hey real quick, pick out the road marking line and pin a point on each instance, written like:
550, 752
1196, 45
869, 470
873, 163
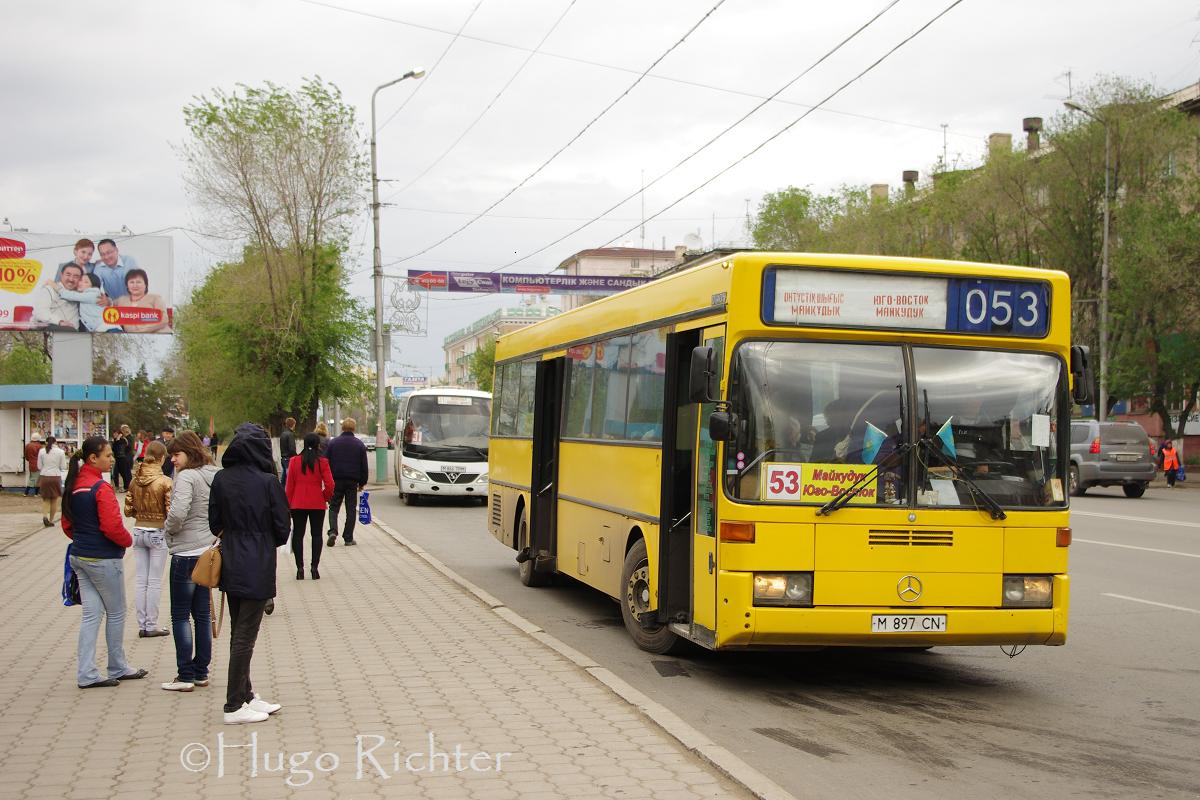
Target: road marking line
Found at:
1135, 547
1137, 519
1152, 603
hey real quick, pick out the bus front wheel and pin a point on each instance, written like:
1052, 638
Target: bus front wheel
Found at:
526, 569
635, 604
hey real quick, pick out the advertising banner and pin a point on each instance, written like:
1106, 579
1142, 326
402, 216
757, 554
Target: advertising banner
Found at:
102, 284
511, 282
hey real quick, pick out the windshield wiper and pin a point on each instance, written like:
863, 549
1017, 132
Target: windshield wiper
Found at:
851, 491
960, 473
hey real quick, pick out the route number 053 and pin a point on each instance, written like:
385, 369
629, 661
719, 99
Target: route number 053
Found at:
1026, 305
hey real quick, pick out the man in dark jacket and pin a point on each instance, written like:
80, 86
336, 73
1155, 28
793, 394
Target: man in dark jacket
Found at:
248, 509
287, 447
348, 463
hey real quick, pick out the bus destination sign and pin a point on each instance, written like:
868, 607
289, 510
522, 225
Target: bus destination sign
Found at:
828, 298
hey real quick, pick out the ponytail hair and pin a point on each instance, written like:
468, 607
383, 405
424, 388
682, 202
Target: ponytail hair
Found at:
50, 440
311, 452
92, 446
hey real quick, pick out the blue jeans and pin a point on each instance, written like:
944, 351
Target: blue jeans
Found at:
189, 601
102, 587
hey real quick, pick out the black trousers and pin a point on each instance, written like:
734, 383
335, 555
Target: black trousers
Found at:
315, 518
245, 617
123, 470
344, 492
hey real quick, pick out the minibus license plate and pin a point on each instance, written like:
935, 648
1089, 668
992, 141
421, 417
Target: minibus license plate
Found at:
908, 623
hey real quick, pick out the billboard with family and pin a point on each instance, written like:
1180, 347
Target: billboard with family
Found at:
100, 284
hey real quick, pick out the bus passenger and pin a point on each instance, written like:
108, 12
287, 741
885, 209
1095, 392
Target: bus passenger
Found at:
830, 444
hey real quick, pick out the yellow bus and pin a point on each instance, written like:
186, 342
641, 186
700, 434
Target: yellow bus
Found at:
781, 449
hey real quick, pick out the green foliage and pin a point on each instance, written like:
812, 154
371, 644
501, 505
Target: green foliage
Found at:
239, 361
152, 404
483, 362
23, 365
1045, 209
264, 337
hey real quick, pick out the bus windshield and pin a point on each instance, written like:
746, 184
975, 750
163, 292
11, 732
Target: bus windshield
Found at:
816, 416
448, 427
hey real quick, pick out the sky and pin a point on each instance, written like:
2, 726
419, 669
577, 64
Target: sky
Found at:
93, 93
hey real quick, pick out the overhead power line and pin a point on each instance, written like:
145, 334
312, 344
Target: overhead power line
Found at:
433, 69
829, 53
488, 107
794, 122
570, 142
630, 70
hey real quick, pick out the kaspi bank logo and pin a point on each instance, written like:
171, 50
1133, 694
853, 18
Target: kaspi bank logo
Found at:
111, 315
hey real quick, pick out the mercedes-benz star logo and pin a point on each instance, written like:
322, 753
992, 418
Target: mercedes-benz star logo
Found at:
909, 588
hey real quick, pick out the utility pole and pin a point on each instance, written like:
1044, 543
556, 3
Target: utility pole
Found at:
381, 470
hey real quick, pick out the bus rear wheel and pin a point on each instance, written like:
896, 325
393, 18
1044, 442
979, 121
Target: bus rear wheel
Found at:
635, 603
526, 569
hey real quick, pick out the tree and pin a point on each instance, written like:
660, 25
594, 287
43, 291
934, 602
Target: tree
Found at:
233, 367
483, 362
1045, 209
281, 171
152, 404
21, 365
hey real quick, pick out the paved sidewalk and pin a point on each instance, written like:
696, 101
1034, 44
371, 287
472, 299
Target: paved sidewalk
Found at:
380, 655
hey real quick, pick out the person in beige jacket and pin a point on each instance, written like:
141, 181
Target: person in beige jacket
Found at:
148, 501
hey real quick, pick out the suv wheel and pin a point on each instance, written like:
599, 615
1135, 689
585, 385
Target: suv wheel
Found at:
1073, 484
1134, 489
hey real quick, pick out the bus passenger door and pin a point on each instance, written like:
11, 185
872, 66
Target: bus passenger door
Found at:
707, 491
678, 465
543, 518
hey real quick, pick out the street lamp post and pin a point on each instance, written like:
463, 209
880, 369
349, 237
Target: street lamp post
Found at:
377, 271
1102, 408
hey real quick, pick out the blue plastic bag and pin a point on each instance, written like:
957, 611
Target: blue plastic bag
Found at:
1180, 475
364, 509
70, 584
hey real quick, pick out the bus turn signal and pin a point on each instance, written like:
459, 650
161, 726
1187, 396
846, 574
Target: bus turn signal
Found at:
1063, 537
737, 531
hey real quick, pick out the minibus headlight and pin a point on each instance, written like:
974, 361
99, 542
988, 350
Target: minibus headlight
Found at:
482, 478
783, 589
411, 474
1028, 591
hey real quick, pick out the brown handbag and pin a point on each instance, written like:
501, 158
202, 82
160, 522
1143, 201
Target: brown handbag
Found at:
207, 571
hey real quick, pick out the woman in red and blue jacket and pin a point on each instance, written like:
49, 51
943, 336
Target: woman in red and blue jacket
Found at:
309, 488
92, 520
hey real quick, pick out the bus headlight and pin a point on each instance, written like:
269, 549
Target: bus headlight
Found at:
783, 589
1028, 591
411, 474
482, 478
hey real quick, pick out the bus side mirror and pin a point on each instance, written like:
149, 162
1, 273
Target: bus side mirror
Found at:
1081, 375
721, 425
702, 376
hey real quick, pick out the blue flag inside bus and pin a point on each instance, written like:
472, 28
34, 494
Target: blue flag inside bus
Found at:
947, 437
873, 439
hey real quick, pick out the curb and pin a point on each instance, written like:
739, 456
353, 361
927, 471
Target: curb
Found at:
692, 740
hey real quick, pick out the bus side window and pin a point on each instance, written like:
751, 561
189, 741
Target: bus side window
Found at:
647, 385
525, 398
577, 420
508, 401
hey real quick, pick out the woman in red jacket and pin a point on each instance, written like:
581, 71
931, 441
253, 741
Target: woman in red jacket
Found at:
309, 489
92, 520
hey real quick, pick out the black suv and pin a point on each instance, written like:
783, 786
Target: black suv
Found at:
1110, 454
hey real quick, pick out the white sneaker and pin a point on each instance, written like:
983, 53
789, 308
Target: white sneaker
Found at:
178, 685
244, 715
262, 706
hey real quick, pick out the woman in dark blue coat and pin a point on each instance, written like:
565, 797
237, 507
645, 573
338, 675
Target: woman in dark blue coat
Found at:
248, 509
